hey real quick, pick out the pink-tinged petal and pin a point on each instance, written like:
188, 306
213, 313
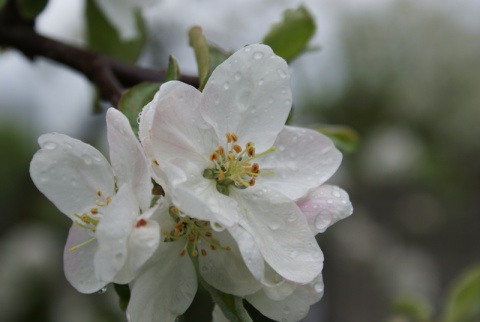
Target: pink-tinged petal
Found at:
165, 286
198, 197
177, 129
249, 94
127, 157
113, 233
225, 270
281, 233
324, 206
78, 260
293, 308
70, 173
304, 159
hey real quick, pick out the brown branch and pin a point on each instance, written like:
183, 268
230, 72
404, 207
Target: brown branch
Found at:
111, 76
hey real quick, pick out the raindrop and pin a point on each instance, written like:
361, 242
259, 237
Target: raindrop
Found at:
321, 222
226, 86
281, 73
336, 193
291, 218
330, 201
288, 102
103, 290
238, 76
87, 159
68, 146
318, 287
43, 179
260, 82
258, 55
281, 148
274, 225
50, 145
248, 49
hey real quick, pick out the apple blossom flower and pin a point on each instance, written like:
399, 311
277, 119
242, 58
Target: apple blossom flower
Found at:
227, 158
112, 234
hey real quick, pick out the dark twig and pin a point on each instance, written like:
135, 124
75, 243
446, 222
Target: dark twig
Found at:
109, 75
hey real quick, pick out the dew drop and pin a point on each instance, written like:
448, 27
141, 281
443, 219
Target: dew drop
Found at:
318, 287
226, 86
274, 225
87, 159
336, 193
247, 49
291, 218
330, 201
43, 179
258, 55
288, 102
238, 76
281, 73
260, 82
49, 145
103, 290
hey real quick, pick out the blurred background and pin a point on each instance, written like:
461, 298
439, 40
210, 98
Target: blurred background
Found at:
405, 75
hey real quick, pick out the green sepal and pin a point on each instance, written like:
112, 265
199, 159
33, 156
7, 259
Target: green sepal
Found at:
463, 304
344, 137
29, 9
104, 38
134, 99
223, 189
123, 292
202, 54
290, 37
209, 174
217, 56
173, 70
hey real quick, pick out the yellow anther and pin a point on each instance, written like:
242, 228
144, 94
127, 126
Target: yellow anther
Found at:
174, 210
221, 175
251, 183
94, 211
176, 232
99, 193
213, 156
234, 137
182, 253
255, 168
156, 162
237, 148
204, 252
208, 234
100, 203
220, 150
251, 151
108, 199
194, 253
84, 217
229, 137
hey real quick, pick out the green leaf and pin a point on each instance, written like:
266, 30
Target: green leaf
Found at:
104, 38
202, 54
173, 71
290, 37
123, 292
463, 304
344, 137
134, 99
29, 9
415, 309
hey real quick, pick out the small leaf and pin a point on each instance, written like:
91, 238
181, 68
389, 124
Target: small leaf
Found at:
104, 38
173, 71
344, 137
290, 37
134, 99
202, 54
217, 56
29, 9
463, 303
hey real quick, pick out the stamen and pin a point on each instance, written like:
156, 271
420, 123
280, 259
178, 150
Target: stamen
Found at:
204, 252
108, 200
229, 137
100, 203
237, 148
220, 150
156, 162
213, 156
74, 248
99, 193
234, 137
94, 211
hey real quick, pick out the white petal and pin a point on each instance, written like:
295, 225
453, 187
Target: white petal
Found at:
78, 263
304, 159
70, 173
165, 286
198, 197
142, 243
251, 254
281, 233
249, 94
226, 270
276, 287
113, 232
294, 307
127, 158
177, 130
324, 206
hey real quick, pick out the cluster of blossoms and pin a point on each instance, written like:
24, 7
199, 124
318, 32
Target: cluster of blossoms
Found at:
243, 196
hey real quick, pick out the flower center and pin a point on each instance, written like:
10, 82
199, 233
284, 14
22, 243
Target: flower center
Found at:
193, 230
90, 220
233, 166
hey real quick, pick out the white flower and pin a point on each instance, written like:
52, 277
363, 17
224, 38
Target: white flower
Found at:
230, 160
167, 283
112, 234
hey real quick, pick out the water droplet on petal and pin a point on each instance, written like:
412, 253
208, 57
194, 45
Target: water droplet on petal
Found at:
321, 222
281, 148
318, 287
49, 145
288, 102
292, 218
274, 225
258, 55
103, 290
260, 82
87, 159
226, 86
237, 76
281, 73
68, 146
247, 49
336, 193
330, 201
